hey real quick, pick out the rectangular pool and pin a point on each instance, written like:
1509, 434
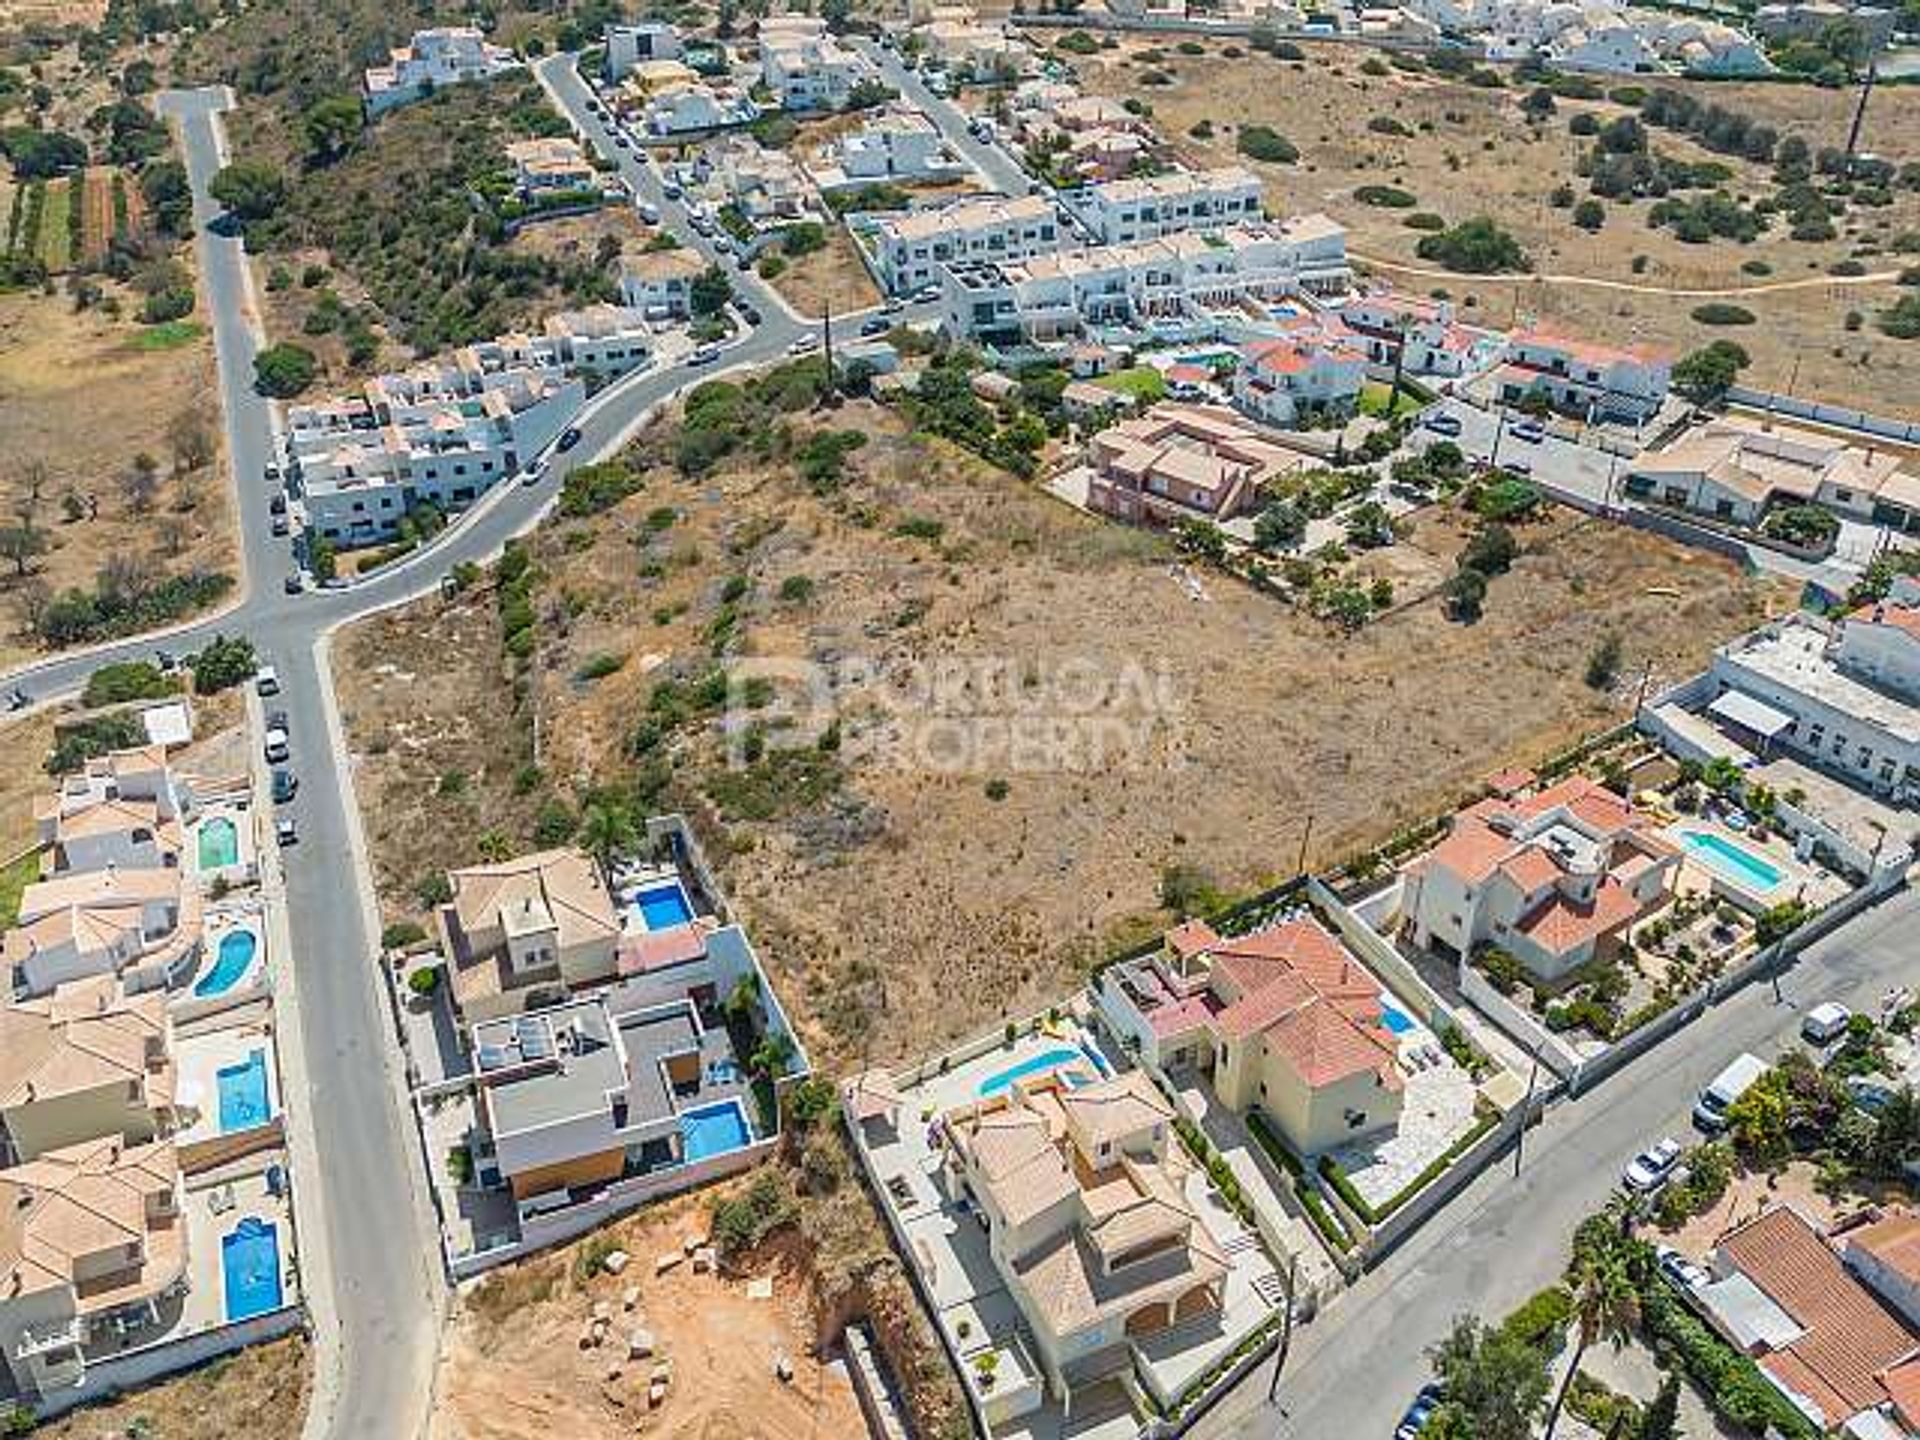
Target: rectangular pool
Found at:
1730, 861
661, 907
1032, 1065
250, 1268
713, 1130
243, 1094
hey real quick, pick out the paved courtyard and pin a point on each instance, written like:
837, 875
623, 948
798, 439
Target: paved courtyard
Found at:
1438, 1110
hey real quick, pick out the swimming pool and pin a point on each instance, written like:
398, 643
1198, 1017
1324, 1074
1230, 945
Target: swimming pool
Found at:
219, 843
243, 1094
1730, 861
1394, 1018
663, 907
250, 1265
235, 955
1045, 1060
713, 1130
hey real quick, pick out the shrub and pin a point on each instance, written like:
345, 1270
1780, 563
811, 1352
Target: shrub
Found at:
223, 663
1424, 220
1541, 1321
743, 1221
1603, 663
1812, 526
402, 933
425, 980
1719, 312
1474, 247
598, 667
1386, 197
283, 371
1387, 125
81, 742
126, 680
1262, 142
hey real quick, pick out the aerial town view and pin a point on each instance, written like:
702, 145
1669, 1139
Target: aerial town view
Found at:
1025, 719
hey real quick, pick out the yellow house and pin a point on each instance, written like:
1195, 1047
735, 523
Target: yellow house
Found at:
89, 1060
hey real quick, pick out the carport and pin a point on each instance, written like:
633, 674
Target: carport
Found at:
1752, 717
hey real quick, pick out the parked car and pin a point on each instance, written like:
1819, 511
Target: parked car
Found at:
1516, 467
1679, 1270
743, 262
927, 294
723, 244
805, 345
272, 472
670, 190
1825, 1024
284, 831
279, 526
894, 305
648, 212
285, 785
294, 583
751, 314
1652, 1167
278, 749
704, 355
535, 472
277, 505
569, 437
266, 681
623, 142
1419, 1412
874, 325
1531, 432
1441, 423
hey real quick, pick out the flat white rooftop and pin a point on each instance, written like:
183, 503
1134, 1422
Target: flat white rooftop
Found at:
1795, 656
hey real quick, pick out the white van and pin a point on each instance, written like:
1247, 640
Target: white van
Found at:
1710, 1110
1825, 1024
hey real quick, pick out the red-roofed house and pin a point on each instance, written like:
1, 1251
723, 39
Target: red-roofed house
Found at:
1583, 378
1886, 1254
1284, 1020
1548, 877
1317, 367
1820, 1336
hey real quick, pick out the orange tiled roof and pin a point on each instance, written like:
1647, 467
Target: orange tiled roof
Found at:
1560, 924
1893, 1240
1315, 1004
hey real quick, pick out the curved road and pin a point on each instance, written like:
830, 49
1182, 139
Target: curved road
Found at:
374, 1281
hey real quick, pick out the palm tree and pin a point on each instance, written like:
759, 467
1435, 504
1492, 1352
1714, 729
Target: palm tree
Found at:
606, 832
1606, 1306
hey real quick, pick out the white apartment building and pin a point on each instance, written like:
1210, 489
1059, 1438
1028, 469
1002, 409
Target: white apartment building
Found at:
805, 67
631, 45
659, 283
450, 55
1844, 696
1316, 366
911, 250
1122, 212
1581, 378
443, 434
1385, 323
688, 107
1049, 296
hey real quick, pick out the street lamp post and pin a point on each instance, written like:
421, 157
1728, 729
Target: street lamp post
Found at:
1286, 1330
1526, 1105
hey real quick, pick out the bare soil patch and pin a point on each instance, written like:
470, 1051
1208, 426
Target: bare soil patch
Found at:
1468, 151
515, 1368
833, 278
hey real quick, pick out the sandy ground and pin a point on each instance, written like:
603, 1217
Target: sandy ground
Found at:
833, 278
1470, 152
914, 890
1746, 1197
514, 1366
257, 1394
61, 370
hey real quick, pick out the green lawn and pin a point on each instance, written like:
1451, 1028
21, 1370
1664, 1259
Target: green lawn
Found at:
1373, 399
167, 335
13, 883
1142, 382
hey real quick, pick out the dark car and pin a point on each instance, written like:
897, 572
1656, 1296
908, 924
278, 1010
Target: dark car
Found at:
284, 831
277, 720
294, 584
1419, 1412
277, 505
569, 437
751, 314
874, 325
285, 785
1442, 423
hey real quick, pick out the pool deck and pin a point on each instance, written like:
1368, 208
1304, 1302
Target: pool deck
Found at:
244, 868
1798, 879
203, 1049
217, 1202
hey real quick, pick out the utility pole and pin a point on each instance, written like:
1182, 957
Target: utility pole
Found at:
1300, 865
1860, 111
826, 345
1286, 1329
1526, 1105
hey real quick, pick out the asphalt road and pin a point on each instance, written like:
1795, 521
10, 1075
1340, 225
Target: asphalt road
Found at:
1354, 1370
1000, 168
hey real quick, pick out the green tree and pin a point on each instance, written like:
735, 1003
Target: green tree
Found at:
251, 189
330, 126
1466, 593
1474, 247
283, 371
1280, 526
1606, 1306
223, 663
1706, 374
710, 291
1495, 1383
1662, 1420
1757, 1121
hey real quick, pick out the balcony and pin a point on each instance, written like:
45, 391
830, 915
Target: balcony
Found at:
54, 1335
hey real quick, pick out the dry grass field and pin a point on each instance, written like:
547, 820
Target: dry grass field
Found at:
830, 279
972, 881
1469, 151
60, 370
255, 1394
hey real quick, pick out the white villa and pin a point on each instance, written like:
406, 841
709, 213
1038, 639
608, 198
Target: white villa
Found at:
550, 164
896, 145
631, 45
451, 55
806, 68
913, 249
766, 186
1316, 366
659, 283
1603, 382
1435, 342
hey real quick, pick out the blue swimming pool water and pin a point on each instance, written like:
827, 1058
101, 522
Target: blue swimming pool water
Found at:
1045, 1060
713, 1130
1730, 861
250, 1263
663, 907
230, 963
1394, 1018
1098, 1061
243, 1094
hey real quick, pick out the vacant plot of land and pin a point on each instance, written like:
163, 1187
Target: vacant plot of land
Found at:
833, 279
515, 1368
256, 1394
60, 371
1461, 150
25, 743
944, 864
